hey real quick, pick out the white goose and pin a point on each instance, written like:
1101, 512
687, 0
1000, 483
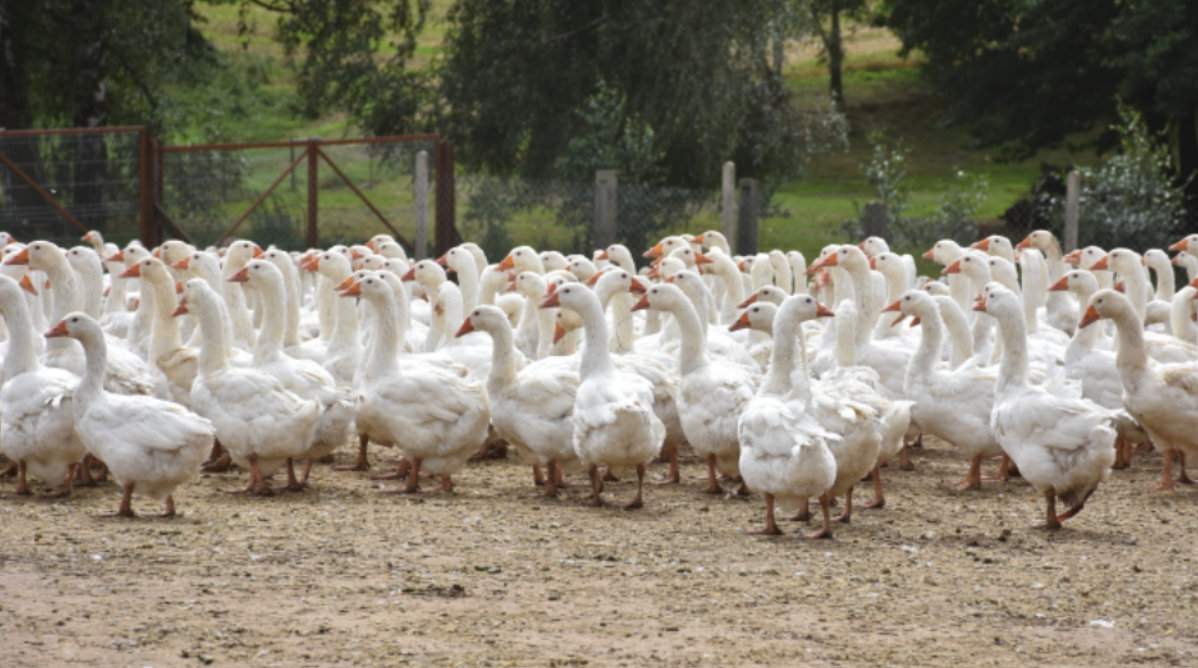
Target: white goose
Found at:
431, 411
1064, 447
37, 421
149, 445
531, 405
1162, 398
258, 421
712, 392
614, 422
784, 452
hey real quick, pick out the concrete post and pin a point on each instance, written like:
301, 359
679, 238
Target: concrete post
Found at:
606, 206
421, 249
1073, 195
749, 209
728, 203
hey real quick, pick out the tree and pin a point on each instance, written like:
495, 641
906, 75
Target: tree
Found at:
354, 56
1027, 75
831, 37
515, 74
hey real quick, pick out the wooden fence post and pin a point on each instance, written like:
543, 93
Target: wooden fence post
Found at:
603, 230
147, 189
312, 237
421, 249
749, 209
728, 203
1073, 195
446, 233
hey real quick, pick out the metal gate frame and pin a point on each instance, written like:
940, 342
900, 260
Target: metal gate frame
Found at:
153, 220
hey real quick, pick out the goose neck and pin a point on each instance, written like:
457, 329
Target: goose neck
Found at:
91, 385
692, 354
596, 358
270, 338
931, 341
214, 356
385, 347
503, 359
22, 355
777, 380
1012, 372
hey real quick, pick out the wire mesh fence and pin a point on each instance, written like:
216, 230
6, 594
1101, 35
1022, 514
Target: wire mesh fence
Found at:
56, 184
270, 193
502, 212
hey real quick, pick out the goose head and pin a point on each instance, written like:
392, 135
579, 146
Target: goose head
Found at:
1106, 304
240, 252
758, 317
943, 252
873, 246
714, 239
766, 294
666, 246
997, 245
485, 318
522, 258
76, 325
581, 267
917, 304
553, 260
1188, 243
1043, 240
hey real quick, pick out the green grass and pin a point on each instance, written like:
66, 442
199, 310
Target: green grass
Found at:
883, 91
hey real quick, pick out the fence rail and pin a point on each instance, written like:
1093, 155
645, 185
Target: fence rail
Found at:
57, 183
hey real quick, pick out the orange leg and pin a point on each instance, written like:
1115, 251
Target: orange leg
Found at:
413, 486
537, 478
362, 463
973, 479
879, 501
168, 508
596, 486
22, 482
638, 502
307, 472
847, 515
1166, 472
825, 501
804, 513
258, 484
219, 460
551, 480
293, 483
126, 509
771, 526
1181, 464
713, 485
1050, 518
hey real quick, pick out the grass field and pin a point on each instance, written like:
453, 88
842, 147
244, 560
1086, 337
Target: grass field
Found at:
884, 93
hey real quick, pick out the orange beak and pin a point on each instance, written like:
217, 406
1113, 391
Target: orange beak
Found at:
602, 255
954, 268
132, 272
241, 276
345, 285
178, 288
257, 251
118, 256
638, 286
873, 261
595, 278
1026, 243
741, 323
311, 263
822, 311
354, 290
829, 260
157, 252
1104, 262
928, 255
559, 332
642, 304
1120, 287
59, 330
701, 259
752, 299
27, 285
185, 263
507, 263
894, 307
1090, 317
552, 300
443, 261
1194, 284
410, 275
1179, 246
466, 328
22, 257
1073, 257
1061, 285
983, 244
552, 289
915, 321
654, 252
654, 272
181, 309
980, 304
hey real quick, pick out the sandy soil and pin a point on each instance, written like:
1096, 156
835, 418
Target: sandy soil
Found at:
495, 575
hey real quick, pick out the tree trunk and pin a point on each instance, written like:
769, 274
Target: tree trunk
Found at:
835, 49
1187, 163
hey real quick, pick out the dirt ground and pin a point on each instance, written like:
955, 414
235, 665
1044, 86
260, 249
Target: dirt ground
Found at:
494, 575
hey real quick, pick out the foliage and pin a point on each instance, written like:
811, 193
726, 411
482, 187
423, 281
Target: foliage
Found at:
954, 216
516, 73
1130, 199
1029, 74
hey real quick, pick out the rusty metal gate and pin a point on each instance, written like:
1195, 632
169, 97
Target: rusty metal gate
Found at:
56, 184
